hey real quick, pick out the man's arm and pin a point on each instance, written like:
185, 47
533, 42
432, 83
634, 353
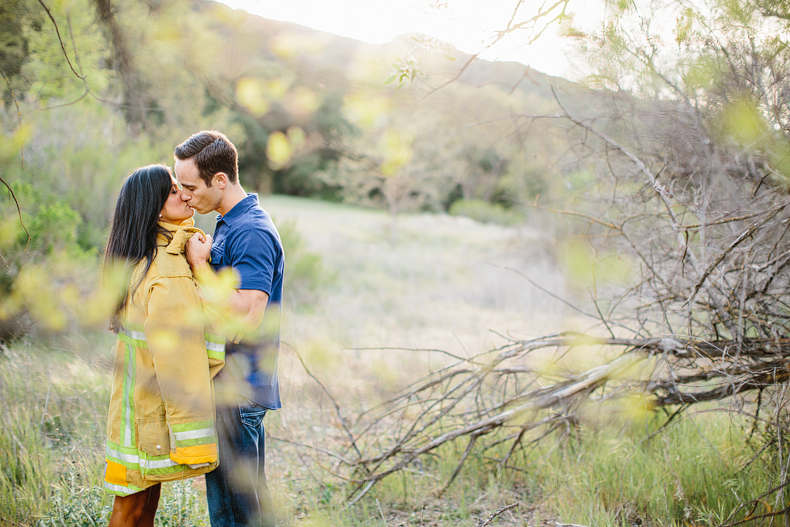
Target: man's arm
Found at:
250, 303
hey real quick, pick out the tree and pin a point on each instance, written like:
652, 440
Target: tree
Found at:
400, 158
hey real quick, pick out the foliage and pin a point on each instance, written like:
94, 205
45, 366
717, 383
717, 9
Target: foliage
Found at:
66, 190
290, 133
52, 79
484, 212
75, 506
695, 179
16, 19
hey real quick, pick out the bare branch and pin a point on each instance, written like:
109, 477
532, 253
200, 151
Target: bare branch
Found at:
747, 233
62, 46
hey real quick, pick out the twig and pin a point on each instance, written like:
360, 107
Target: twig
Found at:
575, 214
745, 234
430, 350
511, 27
756, 502
62, 46
457, 76
311, 447
384, 519
469, 448
496, 514
18, 208
343, 422
544, 400
365, 490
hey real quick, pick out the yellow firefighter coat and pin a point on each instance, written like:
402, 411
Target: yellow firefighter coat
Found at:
161, 420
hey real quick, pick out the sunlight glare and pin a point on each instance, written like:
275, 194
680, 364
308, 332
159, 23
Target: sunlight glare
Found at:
468, 25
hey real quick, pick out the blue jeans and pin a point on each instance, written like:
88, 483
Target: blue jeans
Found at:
236, 490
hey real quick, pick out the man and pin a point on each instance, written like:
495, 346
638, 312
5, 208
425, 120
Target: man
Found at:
246, 240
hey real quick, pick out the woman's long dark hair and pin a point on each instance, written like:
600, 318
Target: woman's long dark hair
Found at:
134, 226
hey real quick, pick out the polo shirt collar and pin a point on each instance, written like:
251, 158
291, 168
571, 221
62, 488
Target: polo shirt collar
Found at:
239, 209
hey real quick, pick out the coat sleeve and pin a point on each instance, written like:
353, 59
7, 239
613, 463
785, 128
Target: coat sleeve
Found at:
175, 332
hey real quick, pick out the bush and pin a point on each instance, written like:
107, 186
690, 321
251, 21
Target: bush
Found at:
485, 212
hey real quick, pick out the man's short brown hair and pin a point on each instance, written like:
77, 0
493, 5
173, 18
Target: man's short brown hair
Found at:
213, 152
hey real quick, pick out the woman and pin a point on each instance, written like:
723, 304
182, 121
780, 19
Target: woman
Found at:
161, 419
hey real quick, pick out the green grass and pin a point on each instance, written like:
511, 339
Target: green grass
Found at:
46, 423
691, 473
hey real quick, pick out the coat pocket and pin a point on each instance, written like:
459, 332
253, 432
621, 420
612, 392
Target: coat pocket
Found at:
153, 436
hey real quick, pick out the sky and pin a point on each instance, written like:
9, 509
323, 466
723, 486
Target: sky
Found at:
468, 25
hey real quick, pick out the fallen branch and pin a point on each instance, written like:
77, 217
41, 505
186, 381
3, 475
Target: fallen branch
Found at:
449, 409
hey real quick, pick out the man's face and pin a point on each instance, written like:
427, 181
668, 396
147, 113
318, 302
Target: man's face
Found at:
194, 190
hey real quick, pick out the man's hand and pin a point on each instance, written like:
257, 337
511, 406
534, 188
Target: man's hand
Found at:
199, 250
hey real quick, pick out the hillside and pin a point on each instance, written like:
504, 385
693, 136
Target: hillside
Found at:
445, 103
319, 51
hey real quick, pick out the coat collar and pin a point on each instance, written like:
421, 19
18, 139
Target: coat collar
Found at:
181, 234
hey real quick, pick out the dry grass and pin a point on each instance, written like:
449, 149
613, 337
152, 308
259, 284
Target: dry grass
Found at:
449, 284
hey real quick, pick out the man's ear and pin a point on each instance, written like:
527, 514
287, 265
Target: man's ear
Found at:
220, 180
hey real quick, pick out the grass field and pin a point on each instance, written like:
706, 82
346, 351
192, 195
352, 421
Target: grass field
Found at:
363, 316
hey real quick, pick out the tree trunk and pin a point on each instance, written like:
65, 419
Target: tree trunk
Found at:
133, 94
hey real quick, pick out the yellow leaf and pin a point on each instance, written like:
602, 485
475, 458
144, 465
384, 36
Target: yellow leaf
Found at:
11, 146
397, 151
250, 93
296, 136
303, 101
367, 110
278, 150
744, 122
10, 229
277, 88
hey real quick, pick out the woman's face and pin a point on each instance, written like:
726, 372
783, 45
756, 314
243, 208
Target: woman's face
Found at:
175, 210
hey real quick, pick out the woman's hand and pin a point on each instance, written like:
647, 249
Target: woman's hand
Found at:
198, 250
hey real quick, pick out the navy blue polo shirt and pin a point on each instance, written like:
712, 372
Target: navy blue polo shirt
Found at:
246, 240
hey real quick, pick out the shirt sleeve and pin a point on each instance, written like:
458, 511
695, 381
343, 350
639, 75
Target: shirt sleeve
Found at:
174, 330
254, 257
